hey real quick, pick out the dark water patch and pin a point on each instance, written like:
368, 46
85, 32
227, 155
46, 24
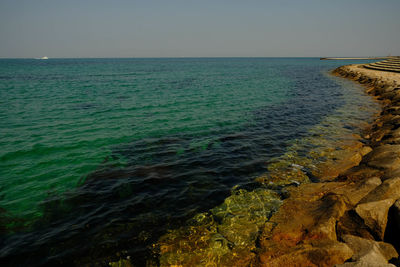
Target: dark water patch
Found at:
86, 106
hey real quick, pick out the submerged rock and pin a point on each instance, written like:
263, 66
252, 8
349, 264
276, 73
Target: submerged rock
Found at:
283, 173
224, 236
121, 263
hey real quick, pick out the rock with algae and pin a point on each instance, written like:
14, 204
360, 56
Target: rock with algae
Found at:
121, 263
285, 171
224, 236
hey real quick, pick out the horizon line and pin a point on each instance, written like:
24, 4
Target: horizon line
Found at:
177, 57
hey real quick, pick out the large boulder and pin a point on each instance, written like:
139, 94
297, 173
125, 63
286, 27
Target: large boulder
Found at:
375, 215
364, 264
318, 253
390, 188
384, 157
354, 192
370, 250
361, 173
352, 224
374, 207
303, 232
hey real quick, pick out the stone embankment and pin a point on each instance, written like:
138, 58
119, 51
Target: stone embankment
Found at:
390, 64
352, 219
349, 215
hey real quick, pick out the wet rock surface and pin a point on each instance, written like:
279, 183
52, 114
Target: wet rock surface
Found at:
225, 236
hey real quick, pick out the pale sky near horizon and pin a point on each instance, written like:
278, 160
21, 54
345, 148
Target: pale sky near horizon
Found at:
206, 28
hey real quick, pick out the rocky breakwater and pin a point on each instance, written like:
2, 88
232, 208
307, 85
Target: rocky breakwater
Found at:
352, 219
343, 210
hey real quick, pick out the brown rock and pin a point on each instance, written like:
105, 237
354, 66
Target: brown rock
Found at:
362, 247
375, 215
380, 133
394, 110
354, 192
315, 210
389, 95
360, 172
330, 170
396, 133
365, 150
384, 157
298, 233
392, 120
322, 253
391, 174
364, 264
389, 189
352, 224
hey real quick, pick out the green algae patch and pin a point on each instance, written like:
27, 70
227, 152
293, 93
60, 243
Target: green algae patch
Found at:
225, 235
285, 172
121, 263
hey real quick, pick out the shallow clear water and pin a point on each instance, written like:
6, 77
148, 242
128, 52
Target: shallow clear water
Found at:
113, 152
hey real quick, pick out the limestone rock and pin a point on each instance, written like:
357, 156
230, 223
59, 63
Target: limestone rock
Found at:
384, 157
367, 250
390, 174
352, 224
365, 150
326, 253
361, 172
316, 211
375, 215
364, 264
303, 231
355, 192
348, 158
389, 189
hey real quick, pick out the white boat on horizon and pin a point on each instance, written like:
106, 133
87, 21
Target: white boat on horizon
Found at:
42, 58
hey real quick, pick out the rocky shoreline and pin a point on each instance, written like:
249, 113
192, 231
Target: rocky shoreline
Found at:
348, 216
352, 219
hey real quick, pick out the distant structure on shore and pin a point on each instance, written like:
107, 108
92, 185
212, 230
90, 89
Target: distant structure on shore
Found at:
390, 64
352, 58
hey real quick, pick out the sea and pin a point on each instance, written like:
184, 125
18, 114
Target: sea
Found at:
104, 156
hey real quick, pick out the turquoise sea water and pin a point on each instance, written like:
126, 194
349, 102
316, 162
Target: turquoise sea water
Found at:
109, 150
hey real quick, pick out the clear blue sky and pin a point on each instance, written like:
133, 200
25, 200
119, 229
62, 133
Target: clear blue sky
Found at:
199, 28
